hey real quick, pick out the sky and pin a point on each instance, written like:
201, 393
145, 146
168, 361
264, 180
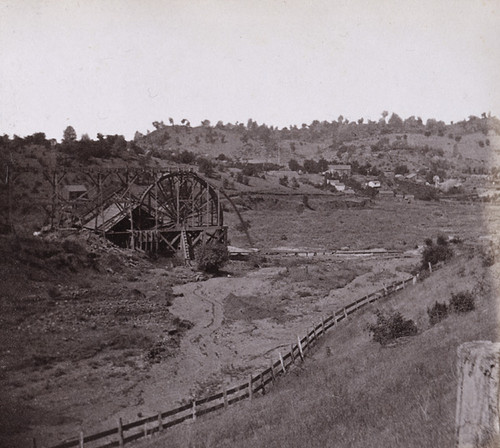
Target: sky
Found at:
115, 66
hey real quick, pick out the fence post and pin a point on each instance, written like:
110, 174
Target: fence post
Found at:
322, 326
292, 355
224, 395
81, 439
250, 392
262, 383
193, 409
272, 371
430, 267
315, 337
307, 340
145, 429
414, 280
301, 352
345, 313
282, 362
160, 423
120, 433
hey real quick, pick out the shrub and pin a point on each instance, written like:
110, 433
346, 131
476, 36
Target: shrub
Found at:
390, 327
434, 253
488, 256
437, 312
284, 181
462, 302
211, 257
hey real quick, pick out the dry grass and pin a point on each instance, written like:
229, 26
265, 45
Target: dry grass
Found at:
389, 224
358, 393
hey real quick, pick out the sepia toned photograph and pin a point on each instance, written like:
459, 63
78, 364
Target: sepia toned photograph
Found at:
249, 224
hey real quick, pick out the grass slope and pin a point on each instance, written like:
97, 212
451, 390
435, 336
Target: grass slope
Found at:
357, 393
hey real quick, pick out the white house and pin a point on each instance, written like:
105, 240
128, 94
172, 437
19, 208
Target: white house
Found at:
373, 184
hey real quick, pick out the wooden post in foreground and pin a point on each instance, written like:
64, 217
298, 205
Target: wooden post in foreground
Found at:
292, 355
477, 417
193, 410
250, 392
301, 352
120, 433
81, 439
224, 396
345, 313
272, 371
282, 362
160, 423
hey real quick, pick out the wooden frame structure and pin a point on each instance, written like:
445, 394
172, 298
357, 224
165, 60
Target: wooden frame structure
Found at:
175, 213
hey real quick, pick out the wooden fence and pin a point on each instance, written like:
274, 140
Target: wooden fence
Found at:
257, 384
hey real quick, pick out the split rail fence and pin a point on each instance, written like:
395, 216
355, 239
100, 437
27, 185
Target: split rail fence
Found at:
258, 384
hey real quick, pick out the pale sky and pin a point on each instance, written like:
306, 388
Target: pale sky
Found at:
115, 66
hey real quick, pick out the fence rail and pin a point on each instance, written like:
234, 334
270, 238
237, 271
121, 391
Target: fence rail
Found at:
257, 384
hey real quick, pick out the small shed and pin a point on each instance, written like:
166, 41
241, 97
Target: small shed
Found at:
341, 170
73, 192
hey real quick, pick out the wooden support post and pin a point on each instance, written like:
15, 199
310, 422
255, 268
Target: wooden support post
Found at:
335, 318
273, 376
262, 383
224, 396
403, 284
120, 433
414, 281
322, 326
145, 430
250, 391
307, 340
314, 334
282, 363
301, 352
81, 439
345, 313
193, 410
430, 267
292, 355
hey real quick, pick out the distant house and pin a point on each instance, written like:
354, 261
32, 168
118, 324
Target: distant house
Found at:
373, 184
72, 192
387, 194
341, 170
339, 186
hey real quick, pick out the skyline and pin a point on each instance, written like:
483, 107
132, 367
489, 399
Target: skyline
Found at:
104, 67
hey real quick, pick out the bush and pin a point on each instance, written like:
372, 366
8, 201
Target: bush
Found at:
434, 253
211, 257
437, 312
388, 328
462, 302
